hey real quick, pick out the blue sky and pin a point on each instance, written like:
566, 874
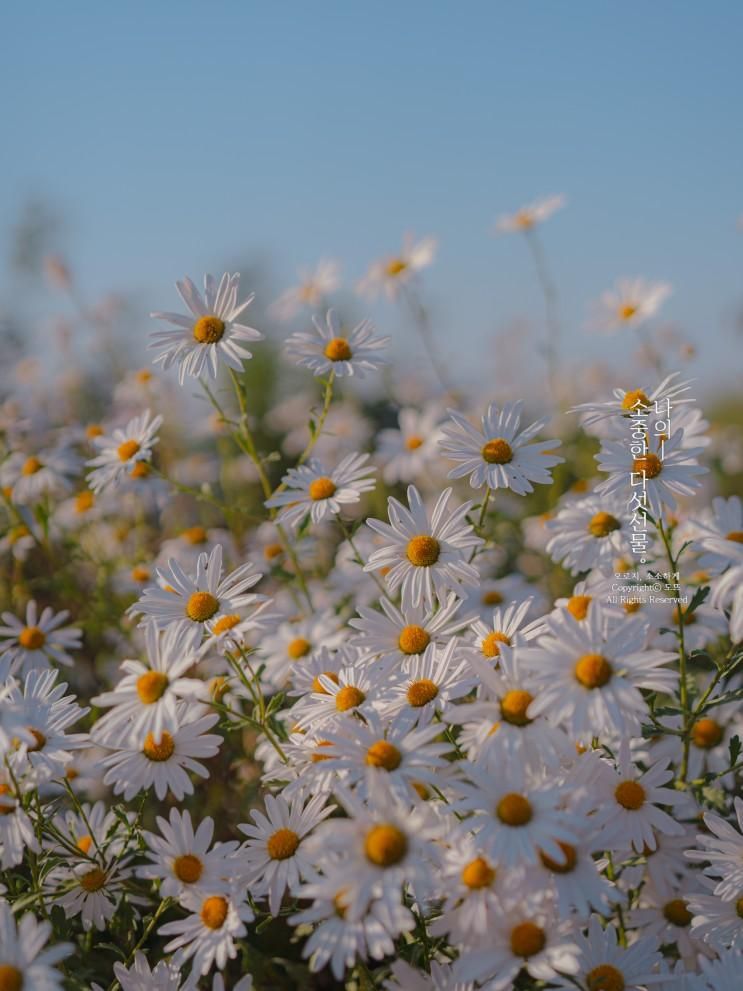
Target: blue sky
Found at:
179, 136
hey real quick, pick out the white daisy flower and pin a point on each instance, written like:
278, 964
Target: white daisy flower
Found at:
394, 636
409, 453
208, 935
590, 533
427, 557
126, 452
612, 415
722, 974
717, 921
319, 493
31, 477
293, 642
578, 883
429, 684
139, 977
210, 333
24, 963
721, 536
590, 677
630, 303
390, 275
333, 348
163, 762
91, 888
506, 627
337, 695
181, 859
406, 978
275, 854
722, 852
39, 641
628, 803
605, 963
198, 597
499, 456
146, 699
315, 285
16, 829
530, 216
667, 471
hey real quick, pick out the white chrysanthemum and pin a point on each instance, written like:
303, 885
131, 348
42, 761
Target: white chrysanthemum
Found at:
722, 852
427, 557
208, 935
210, 334
30, 478
292, 643
629, 304
531, 215
390, 275
612, 416
274, 856
333, 348
590, 533
409, 453
138, 977
126, 452
320, 493
605, 964
429, 684
39, 641
314, 286
499, 456
24, 963
197, 598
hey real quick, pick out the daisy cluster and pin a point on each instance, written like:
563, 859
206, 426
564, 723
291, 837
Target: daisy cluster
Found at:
343, 703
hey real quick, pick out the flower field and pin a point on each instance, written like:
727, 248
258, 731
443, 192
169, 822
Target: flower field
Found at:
403, 686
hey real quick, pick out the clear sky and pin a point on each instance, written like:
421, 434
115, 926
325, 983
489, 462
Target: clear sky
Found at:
177, 136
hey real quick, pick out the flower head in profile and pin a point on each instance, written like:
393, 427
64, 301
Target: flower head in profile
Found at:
500, 455
126, 452
528, 217
389, 275
427, 557
315, 285
211, 333
629, 304
315, 491
332, 348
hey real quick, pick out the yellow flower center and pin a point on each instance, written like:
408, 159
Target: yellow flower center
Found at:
527, 939
602, 524
161, 751
571, 858
514, 809
322, 488
299, 647
627, 311
225, 623
93, 430
32, 638
6, 807
736, 536
478, 874
490, 646
633, 398
208, 330
201, 606
421, 692
272, 551
140, 470
605, 977
143, 376
93, 880
632, 607
739, 908
39, 740
383, 754
214, 912
317, 685
630, 795
84, 844
151, 686
127, 450
282, 844
649, 464
706, 733
11, 978
524, 220
338, 349
497, 452
423, 551
84, 501
677, 913
385, 845
513, 706
195, 535
491, 598
592, 670
140, 573
413, 442
31, 466
348, 698
188, 868
577, 606
413, 639
395, 267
